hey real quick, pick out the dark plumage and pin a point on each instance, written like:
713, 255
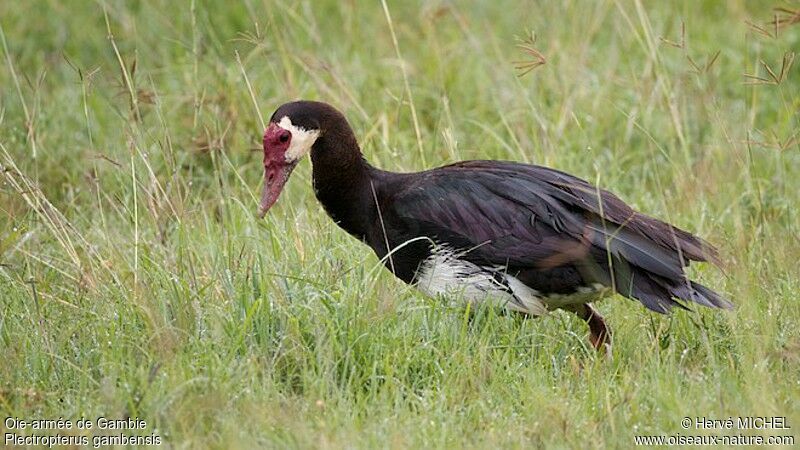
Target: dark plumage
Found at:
532, 237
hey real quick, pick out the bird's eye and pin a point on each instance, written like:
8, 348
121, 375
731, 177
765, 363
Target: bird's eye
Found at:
284, 136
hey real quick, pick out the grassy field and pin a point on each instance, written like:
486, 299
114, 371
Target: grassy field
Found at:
136, 279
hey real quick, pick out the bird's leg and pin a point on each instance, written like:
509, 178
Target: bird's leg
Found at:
599, 334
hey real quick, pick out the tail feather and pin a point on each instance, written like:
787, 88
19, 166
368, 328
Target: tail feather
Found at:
649, 292
710, 296
659, 294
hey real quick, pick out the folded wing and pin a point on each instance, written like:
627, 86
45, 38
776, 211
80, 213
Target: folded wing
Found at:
531, 218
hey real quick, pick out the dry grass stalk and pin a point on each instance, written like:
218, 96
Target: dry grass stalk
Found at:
527, 46
774, 79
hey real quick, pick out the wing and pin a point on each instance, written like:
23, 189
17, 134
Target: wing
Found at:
531, 217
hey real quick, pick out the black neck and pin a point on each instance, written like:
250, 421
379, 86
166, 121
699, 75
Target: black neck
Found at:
343, 183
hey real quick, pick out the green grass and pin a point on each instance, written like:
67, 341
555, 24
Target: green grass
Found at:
136, 280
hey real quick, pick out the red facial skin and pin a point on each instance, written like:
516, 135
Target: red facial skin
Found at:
276, 169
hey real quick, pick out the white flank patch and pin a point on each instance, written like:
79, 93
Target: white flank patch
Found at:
584, 294
530, 298
443, 273
302, 140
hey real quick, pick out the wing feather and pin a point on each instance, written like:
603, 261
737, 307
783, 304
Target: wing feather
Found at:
532, 217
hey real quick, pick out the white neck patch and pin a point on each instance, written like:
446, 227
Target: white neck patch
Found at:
302, 140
